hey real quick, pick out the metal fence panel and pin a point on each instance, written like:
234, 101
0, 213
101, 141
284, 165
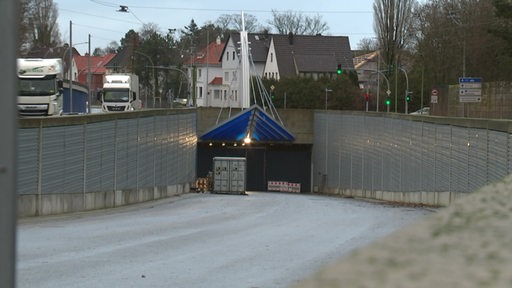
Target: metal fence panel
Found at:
497, 155
28, 161
126, 154
104, 156
399, 155
145, 153
100, 157
62, 159
477, 158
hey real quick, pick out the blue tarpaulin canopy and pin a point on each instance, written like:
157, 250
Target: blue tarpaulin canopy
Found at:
253, 123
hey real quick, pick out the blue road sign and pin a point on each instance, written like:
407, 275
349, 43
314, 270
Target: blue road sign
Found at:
470, 80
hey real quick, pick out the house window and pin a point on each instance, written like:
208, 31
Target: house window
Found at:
198, 73
200, 92
227, 56
226, 76
233, 55
216, 94
271, 57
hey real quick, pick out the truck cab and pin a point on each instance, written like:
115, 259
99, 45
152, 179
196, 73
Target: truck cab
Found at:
120, 93
40, 86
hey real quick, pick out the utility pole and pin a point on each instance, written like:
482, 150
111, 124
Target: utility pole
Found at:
327, 90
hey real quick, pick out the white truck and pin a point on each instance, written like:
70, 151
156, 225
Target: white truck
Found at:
120, 93
40, 86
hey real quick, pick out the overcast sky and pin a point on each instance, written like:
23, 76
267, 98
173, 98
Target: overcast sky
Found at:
100, 19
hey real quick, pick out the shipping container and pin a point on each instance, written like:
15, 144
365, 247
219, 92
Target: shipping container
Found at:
229, 175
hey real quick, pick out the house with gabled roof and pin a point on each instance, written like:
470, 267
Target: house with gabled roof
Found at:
209, 83
307, 56
94, 64
277, 56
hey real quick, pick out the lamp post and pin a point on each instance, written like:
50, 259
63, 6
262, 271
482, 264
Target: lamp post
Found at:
327, 90
153, 74
378, 86
70, 68
406, 90
174, 68
453, 16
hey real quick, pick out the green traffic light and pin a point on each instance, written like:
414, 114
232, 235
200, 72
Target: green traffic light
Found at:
388, 102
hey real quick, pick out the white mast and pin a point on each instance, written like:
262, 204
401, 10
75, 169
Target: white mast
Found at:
244, 56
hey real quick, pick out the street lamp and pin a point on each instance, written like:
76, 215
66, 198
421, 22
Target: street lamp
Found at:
153, 74
456, 20
174, 68
327, 90
70, 68
378, 86
406, 90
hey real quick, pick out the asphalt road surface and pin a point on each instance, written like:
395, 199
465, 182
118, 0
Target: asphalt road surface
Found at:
201, 240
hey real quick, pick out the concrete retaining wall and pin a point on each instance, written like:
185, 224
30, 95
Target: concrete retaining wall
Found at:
435, 199
49, 204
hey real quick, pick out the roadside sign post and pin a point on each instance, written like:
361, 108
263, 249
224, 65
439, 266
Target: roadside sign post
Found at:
470, 90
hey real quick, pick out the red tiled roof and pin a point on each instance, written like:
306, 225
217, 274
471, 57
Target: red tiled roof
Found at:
216, 81
214, 50
97, 63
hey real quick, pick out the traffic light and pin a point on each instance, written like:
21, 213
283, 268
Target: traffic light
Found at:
366, 96
339, 71
388, 101
408, 96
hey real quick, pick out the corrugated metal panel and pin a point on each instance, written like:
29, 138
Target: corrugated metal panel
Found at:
126, 156
100, 156
459, 160
130, 153
477, 158
146, 153
443, 154
63, 159
28, 161
428, 157
497, 155
389, 154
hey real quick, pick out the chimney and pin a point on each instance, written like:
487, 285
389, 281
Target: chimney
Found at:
290, 38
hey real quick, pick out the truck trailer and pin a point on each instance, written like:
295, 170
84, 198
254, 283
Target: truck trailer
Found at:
40, 86
120, 93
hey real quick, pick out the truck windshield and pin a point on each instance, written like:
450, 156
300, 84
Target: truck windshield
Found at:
37, 86
116, 95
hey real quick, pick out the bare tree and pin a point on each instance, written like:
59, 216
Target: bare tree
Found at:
23, 27
42, 27
368, 44
297, 23
234, 22
147, 30
393, 26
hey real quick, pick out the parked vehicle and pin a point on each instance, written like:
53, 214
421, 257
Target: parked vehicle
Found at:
120, 93
422, 111
40, 86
